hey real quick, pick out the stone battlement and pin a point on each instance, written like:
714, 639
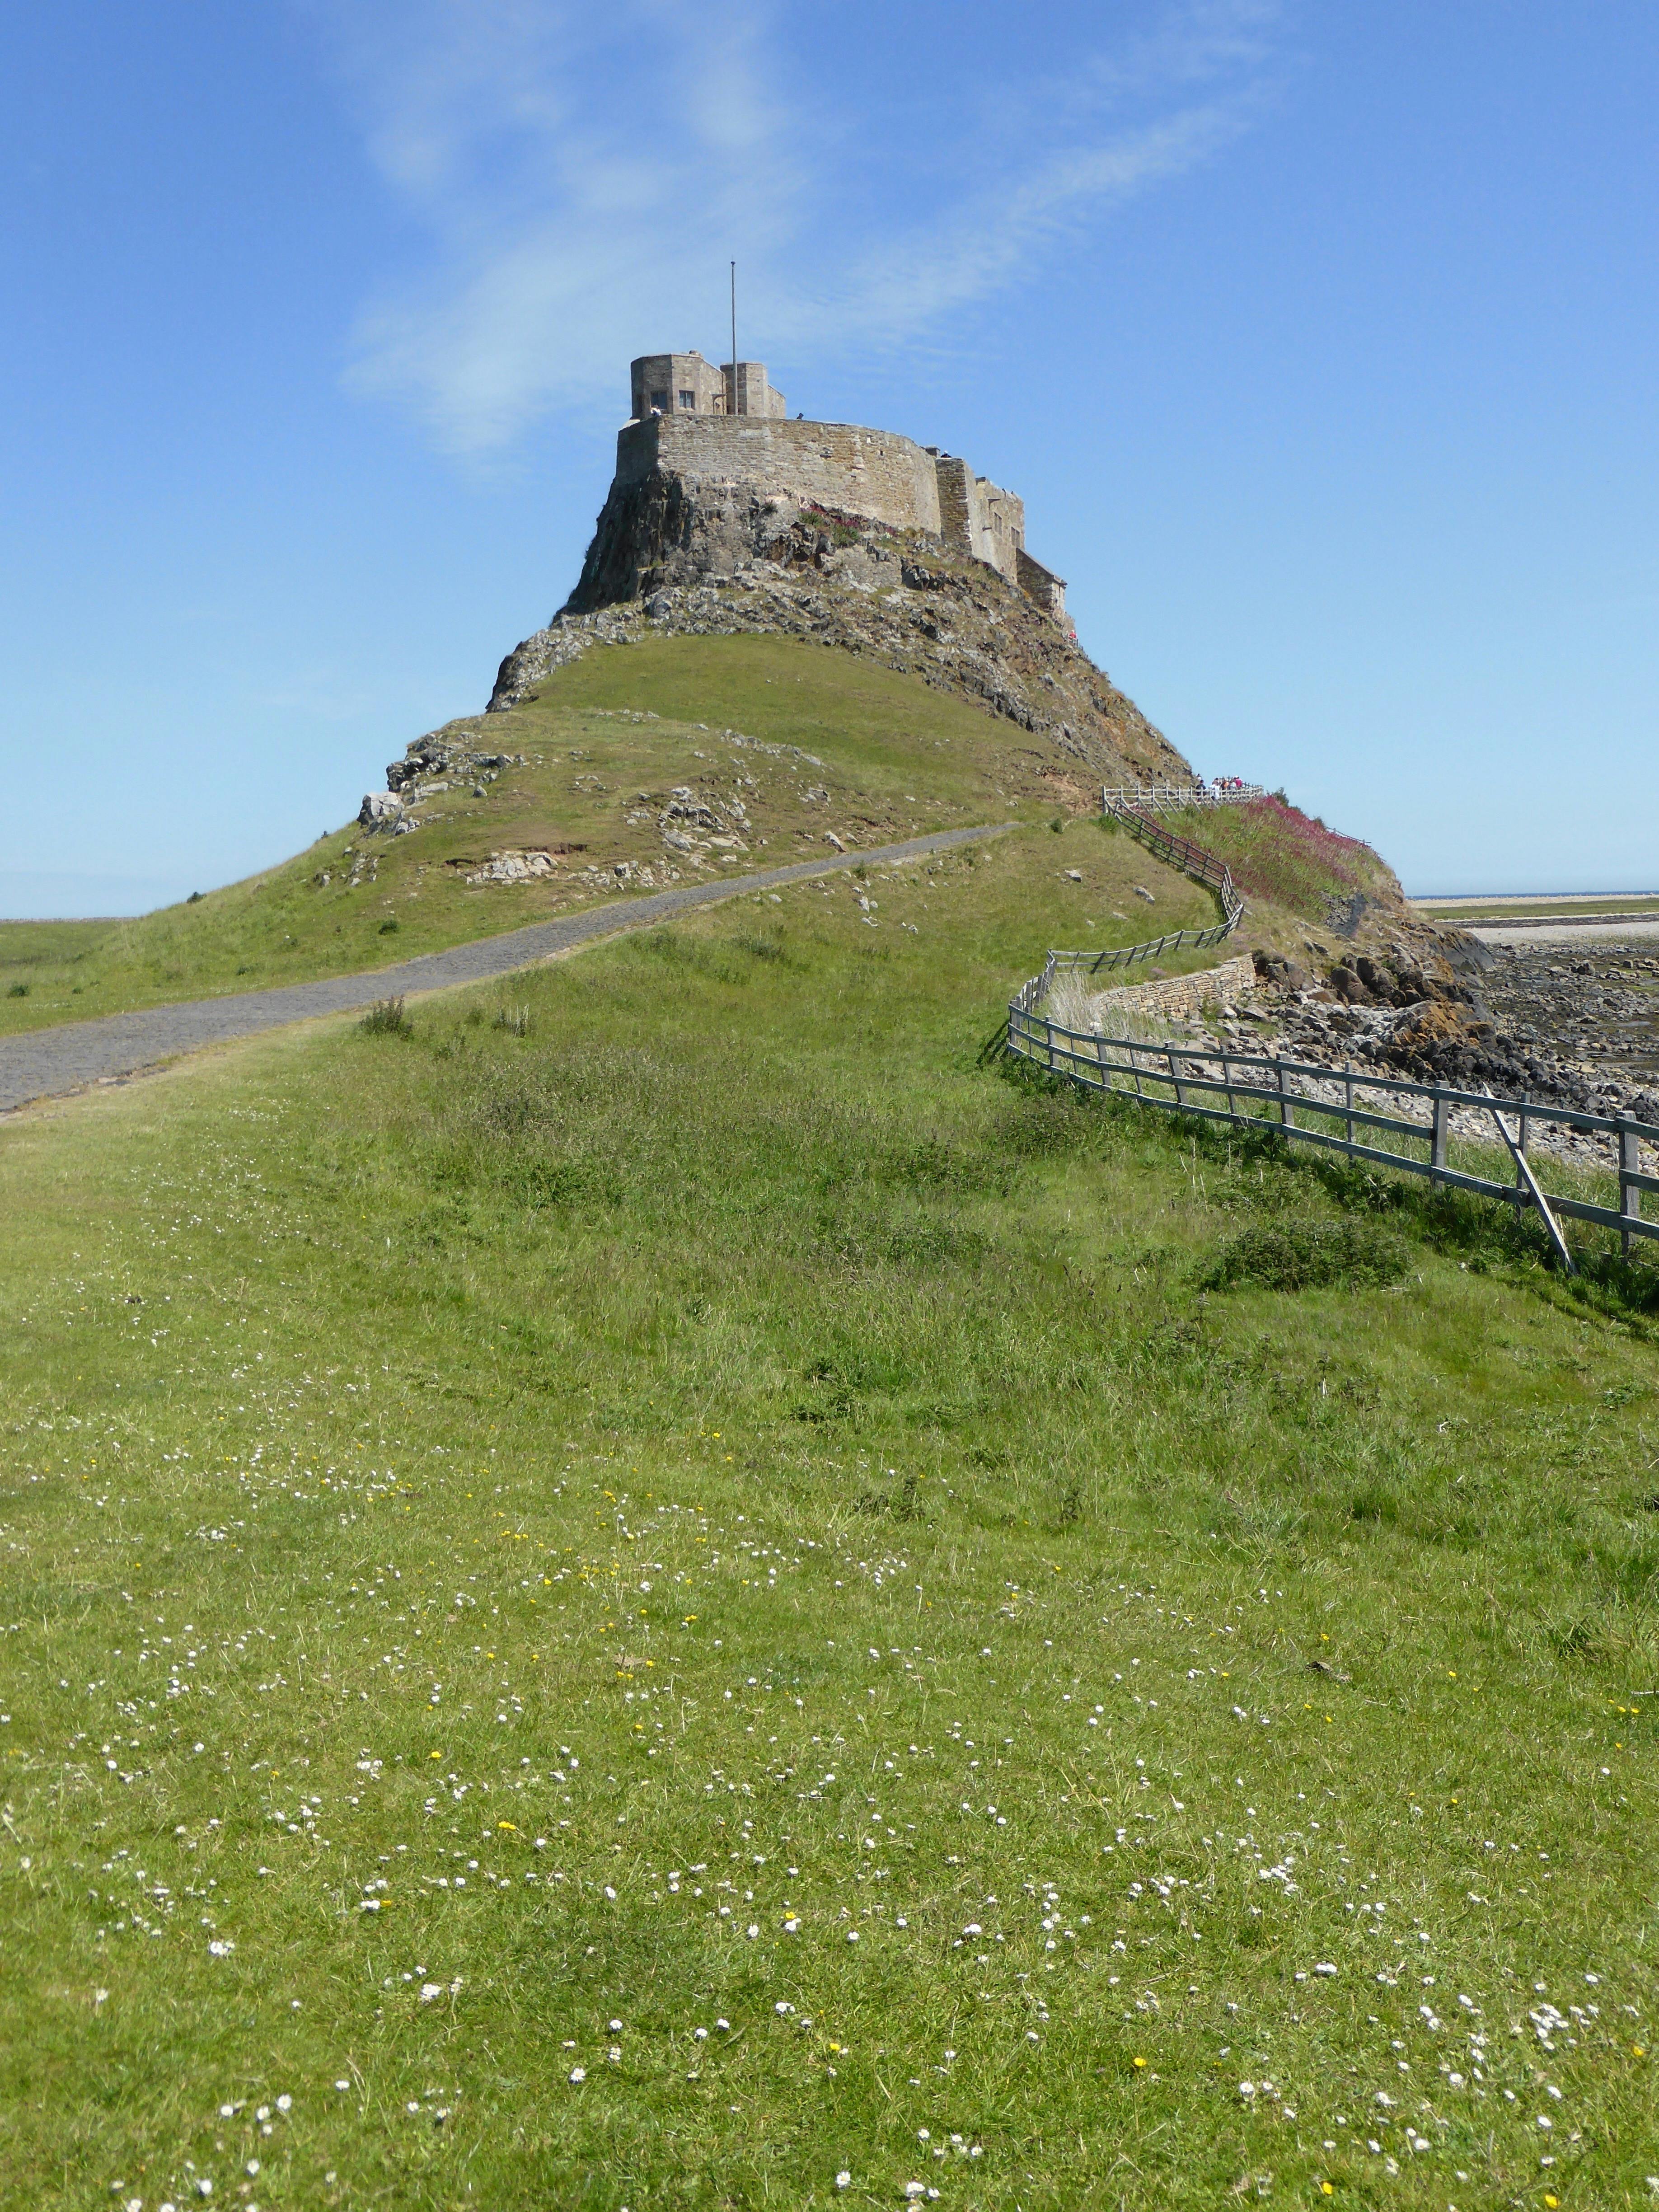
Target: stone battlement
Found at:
721, 432
686, 384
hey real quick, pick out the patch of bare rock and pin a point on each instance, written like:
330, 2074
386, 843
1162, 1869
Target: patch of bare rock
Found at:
767, 569
443, 760
1426, 1027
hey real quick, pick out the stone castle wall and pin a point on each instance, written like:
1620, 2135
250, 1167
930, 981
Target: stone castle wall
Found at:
831, 465
980, 516
710, 456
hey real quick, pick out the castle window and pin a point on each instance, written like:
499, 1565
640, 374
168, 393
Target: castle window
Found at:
689, 400
659, 399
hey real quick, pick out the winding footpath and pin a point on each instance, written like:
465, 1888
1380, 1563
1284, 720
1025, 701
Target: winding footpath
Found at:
46, 1063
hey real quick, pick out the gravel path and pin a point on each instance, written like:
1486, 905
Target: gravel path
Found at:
48, 1062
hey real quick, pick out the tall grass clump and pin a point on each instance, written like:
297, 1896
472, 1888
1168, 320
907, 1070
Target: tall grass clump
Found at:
387, 1018
1071, 1004
1309, 1255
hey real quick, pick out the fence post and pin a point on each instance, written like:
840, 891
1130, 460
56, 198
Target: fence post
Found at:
1522, 1195
1347, 1097
1227, 1078
1181, 1096
1438, 1148
1287, 1116
1629, 1195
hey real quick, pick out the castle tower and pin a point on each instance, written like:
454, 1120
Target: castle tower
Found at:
748, 392
686, 384
674, 384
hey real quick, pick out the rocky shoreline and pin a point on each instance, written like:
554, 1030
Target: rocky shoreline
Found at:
1597, 1004
1402, 1022
1428, 1031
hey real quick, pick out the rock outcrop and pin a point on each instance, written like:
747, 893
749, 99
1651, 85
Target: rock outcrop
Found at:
1430, 1030
672, 557
440, 761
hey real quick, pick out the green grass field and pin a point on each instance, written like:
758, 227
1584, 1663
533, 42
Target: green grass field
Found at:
855, 751
917, 1692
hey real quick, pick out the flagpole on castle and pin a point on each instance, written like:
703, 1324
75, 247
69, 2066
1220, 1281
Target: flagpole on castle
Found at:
734, 337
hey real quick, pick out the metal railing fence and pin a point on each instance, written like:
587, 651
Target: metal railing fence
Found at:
1258, 1089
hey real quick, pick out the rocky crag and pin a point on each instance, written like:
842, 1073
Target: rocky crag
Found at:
672, 559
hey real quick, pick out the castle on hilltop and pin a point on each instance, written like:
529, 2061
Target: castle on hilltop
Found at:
723, 431
727, 518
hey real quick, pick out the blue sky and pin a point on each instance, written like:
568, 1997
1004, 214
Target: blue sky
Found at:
1320, 341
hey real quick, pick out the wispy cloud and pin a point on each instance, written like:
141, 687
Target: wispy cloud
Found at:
577, 178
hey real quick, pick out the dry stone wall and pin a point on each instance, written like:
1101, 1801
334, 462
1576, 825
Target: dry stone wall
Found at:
1173, 998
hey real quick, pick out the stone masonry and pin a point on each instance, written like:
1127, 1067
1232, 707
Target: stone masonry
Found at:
1174, 997
686, 384
706, 437
832, 465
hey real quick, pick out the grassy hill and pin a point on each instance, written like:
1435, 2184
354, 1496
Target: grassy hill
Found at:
668, 1592
857, 751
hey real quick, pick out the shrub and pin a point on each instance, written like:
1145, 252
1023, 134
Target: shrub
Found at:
18, 991
387, 1018
388, 926
840, 529
1309, 1255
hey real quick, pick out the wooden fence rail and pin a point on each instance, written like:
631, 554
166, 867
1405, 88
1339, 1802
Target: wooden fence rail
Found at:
1181, 853
1169, 797
1322, 1106
1276, 1091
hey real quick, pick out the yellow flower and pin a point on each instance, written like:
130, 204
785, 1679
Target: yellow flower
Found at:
1140, 2062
